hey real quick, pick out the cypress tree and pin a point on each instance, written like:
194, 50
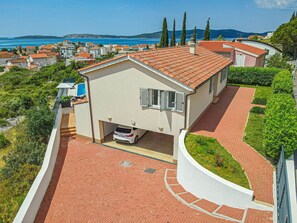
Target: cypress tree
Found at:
164, 36
184, 34
293, 16
194, 35
172, 40
207, 31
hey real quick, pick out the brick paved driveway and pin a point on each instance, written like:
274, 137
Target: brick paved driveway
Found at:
89, 185
226, 122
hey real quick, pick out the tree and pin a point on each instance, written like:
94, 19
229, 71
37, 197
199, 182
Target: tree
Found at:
286, 37
164, 36
207, 31
279, 62
194, 35
293, 16
220, 37
172, 40
184, 34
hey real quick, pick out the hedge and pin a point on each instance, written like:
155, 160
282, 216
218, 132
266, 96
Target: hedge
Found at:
282, 83
252, 75
280, 126
258, 110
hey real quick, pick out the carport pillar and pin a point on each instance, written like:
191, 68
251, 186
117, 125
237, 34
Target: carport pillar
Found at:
175, 148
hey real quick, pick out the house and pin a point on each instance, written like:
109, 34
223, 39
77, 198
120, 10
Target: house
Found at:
67, 50
243, 55
49, 48
95, 51
271, 50
5, 56
84, 57
20, 62
39, 60
162, 91
31, 49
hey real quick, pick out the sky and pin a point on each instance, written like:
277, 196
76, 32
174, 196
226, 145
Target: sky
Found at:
130, 17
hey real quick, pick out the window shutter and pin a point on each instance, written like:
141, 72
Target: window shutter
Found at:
143, 97
163, 100
180, 101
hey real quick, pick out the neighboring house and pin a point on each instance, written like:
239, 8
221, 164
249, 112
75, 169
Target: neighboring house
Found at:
5, 56
84, 57
67, 51
163, 91
20, 62
30, 49
95, 51
242, 55
272, 50
50, 47
39, 60
52, 57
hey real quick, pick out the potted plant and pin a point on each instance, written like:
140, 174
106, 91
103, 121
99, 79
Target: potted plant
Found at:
66, 101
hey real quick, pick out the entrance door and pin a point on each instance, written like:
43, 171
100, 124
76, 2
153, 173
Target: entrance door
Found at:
240, 59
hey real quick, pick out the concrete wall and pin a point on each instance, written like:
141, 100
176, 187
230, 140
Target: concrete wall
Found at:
115, 95
83, 120
31, 204
263, 46
198, 102
205, 184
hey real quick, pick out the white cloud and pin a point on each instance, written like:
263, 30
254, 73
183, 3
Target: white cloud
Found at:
281, 4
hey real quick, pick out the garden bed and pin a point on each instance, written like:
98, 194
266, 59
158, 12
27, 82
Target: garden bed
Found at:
209, 153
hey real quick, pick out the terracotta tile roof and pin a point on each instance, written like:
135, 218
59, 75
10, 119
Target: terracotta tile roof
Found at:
51, 54
216, 46
38, 55
179, 64
5, 54
18, 60
83, 55
30, 47
80, 101
247, 48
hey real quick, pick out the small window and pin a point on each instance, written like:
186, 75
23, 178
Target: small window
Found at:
224, 73
154, 97
210, 85
171, 100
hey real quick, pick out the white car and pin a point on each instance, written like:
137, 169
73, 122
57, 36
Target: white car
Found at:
128, 134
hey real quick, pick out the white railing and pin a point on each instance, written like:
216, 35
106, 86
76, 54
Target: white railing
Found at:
31, 204
204, 184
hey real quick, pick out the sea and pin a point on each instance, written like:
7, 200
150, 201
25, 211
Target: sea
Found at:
11, 43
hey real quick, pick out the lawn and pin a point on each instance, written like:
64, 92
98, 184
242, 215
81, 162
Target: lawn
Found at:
209, 153
262, 93
254, 132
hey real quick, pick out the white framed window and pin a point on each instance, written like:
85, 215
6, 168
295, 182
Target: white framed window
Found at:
224, 74
163, 100
210, 84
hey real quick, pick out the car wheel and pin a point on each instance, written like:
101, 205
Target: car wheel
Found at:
136, 140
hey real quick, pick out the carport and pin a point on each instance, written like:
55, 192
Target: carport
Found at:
151, 144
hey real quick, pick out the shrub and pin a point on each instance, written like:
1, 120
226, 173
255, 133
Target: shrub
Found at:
252, 75
280, 126
278, 61
3, 141
3, 122
282, 83
260, 101
13, 191
258, 110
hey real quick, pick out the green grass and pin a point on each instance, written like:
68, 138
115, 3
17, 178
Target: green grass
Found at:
262, 94
254, 132
209, 153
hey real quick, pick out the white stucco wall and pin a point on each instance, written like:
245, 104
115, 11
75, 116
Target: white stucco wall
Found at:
198, 102
292, 188
221, 85
115, 95
205, 184
83, 120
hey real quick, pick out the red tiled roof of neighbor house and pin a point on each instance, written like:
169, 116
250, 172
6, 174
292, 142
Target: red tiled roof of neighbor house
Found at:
6, 54
30, 47
216, 46
51, 54
247, 48
84, 55
38, 55
178, 63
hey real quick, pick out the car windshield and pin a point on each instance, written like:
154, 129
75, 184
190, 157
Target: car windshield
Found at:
123, 130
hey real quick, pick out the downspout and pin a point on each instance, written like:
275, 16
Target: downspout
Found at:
90, 106
186, 108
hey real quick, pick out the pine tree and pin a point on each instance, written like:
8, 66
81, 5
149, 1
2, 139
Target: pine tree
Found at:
164, 36
194, 35
172, 40
207, 31
293, 16
184, 34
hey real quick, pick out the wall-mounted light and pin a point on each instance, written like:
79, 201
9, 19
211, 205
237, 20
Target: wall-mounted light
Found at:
133, 122
109, 118
161, 129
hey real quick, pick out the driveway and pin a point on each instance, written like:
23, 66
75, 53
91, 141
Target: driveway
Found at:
89, 184
226, 122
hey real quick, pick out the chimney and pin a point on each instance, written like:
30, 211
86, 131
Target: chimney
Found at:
192, 46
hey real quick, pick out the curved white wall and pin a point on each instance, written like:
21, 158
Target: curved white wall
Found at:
204, 184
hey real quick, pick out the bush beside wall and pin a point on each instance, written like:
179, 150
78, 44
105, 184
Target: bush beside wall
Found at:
282, 83
280, 126
252, 75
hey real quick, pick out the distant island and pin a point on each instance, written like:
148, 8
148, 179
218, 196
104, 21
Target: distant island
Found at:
38, 37
226, 33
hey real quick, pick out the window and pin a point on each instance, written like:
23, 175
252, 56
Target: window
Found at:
210, 85
224, 73
163, 100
